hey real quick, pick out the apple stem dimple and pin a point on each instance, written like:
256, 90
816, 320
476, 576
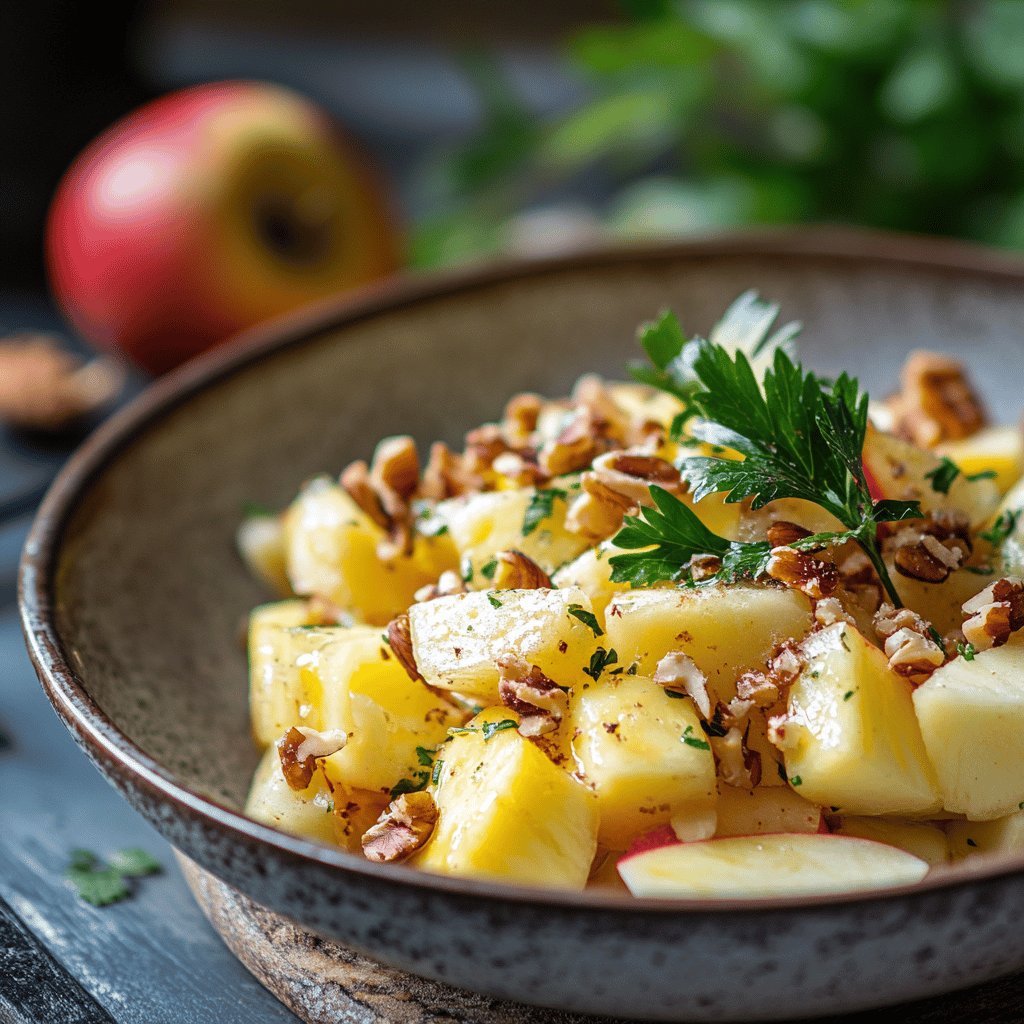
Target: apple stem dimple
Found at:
298, 232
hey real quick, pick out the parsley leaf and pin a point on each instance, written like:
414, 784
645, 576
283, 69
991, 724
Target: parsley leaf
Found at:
101, 884
1001, 528
418, 782
541, 506
800, 437
966, 651
493, 601
943, 475
599, 661
577, 611
490, 728
488, 569
694, 741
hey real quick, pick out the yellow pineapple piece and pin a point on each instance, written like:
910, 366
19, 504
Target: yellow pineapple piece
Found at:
851, 738
273, 802
481, 525
901, 470
992, 449
724, 629
506, 812
592, 574
328, 677
972, 721
643, 752
917, 837
457, 639
331, 547
279, 695
1000, 835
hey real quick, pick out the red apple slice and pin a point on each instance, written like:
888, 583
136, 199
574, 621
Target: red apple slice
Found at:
753, 867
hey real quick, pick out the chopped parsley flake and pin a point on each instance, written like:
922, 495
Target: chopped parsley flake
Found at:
694, 741
589, 619
494, 602
1002, 528
467, 570
943, 475
435, 775
599, 661
796, 781
848, 694
971, 842
490, 728
541, 506
489, 569
418, 782
966, 651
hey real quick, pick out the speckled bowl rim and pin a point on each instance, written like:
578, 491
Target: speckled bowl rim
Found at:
106, 743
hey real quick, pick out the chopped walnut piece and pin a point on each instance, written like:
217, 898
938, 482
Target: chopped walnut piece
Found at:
937, 402
515, 571
396, 465
447, 475
632, 475
679, 673
703, 567
829, 610
383, 505
735, 764
757, 688
405, 825
300, 747
889, 620
539, 701
483, 445
400, 641
44, 387
598, 512
576, 446
782, 533
912, 654
995, 613
448, 583
355, 479
803, 572
521, 414
929, 550
520, 469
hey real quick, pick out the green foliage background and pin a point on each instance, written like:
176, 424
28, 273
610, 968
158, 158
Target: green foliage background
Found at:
904, 114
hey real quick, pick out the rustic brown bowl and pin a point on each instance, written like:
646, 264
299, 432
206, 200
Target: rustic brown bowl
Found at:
132, 598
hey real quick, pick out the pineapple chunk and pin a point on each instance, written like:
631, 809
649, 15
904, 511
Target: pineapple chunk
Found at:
851, 739
344, 678
899, 471
456, 639
644, 754
331, 547
279, 694
747, 812
335, 815
993, 449
972, 720
481, 525
592, 574
917, 837
272, 801
506, 812
725, 629
1001, 835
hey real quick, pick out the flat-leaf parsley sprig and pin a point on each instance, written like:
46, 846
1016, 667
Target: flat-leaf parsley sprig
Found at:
799, 437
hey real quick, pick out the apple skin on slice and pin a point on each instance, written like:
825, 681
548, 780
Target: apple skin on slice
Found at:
766, 866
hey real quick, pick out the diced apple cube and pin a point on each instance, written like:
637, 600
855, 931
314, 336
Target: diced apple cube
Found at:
753, 867
940, 603
724, 629
1000, 835
643, 752
507, 812
456, 640
917, 837
851, 738
744, 812
972, 720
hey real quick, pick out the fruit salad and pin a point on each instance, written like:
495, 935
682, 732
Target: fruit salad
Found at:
727, 630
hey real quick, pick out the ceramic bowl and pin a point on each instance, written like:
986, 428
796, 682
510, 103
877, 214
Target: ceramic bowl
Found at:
132, 597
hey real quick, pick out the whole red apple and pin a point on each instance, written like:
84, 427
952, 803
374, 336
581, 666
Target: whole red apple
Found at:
208, 211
